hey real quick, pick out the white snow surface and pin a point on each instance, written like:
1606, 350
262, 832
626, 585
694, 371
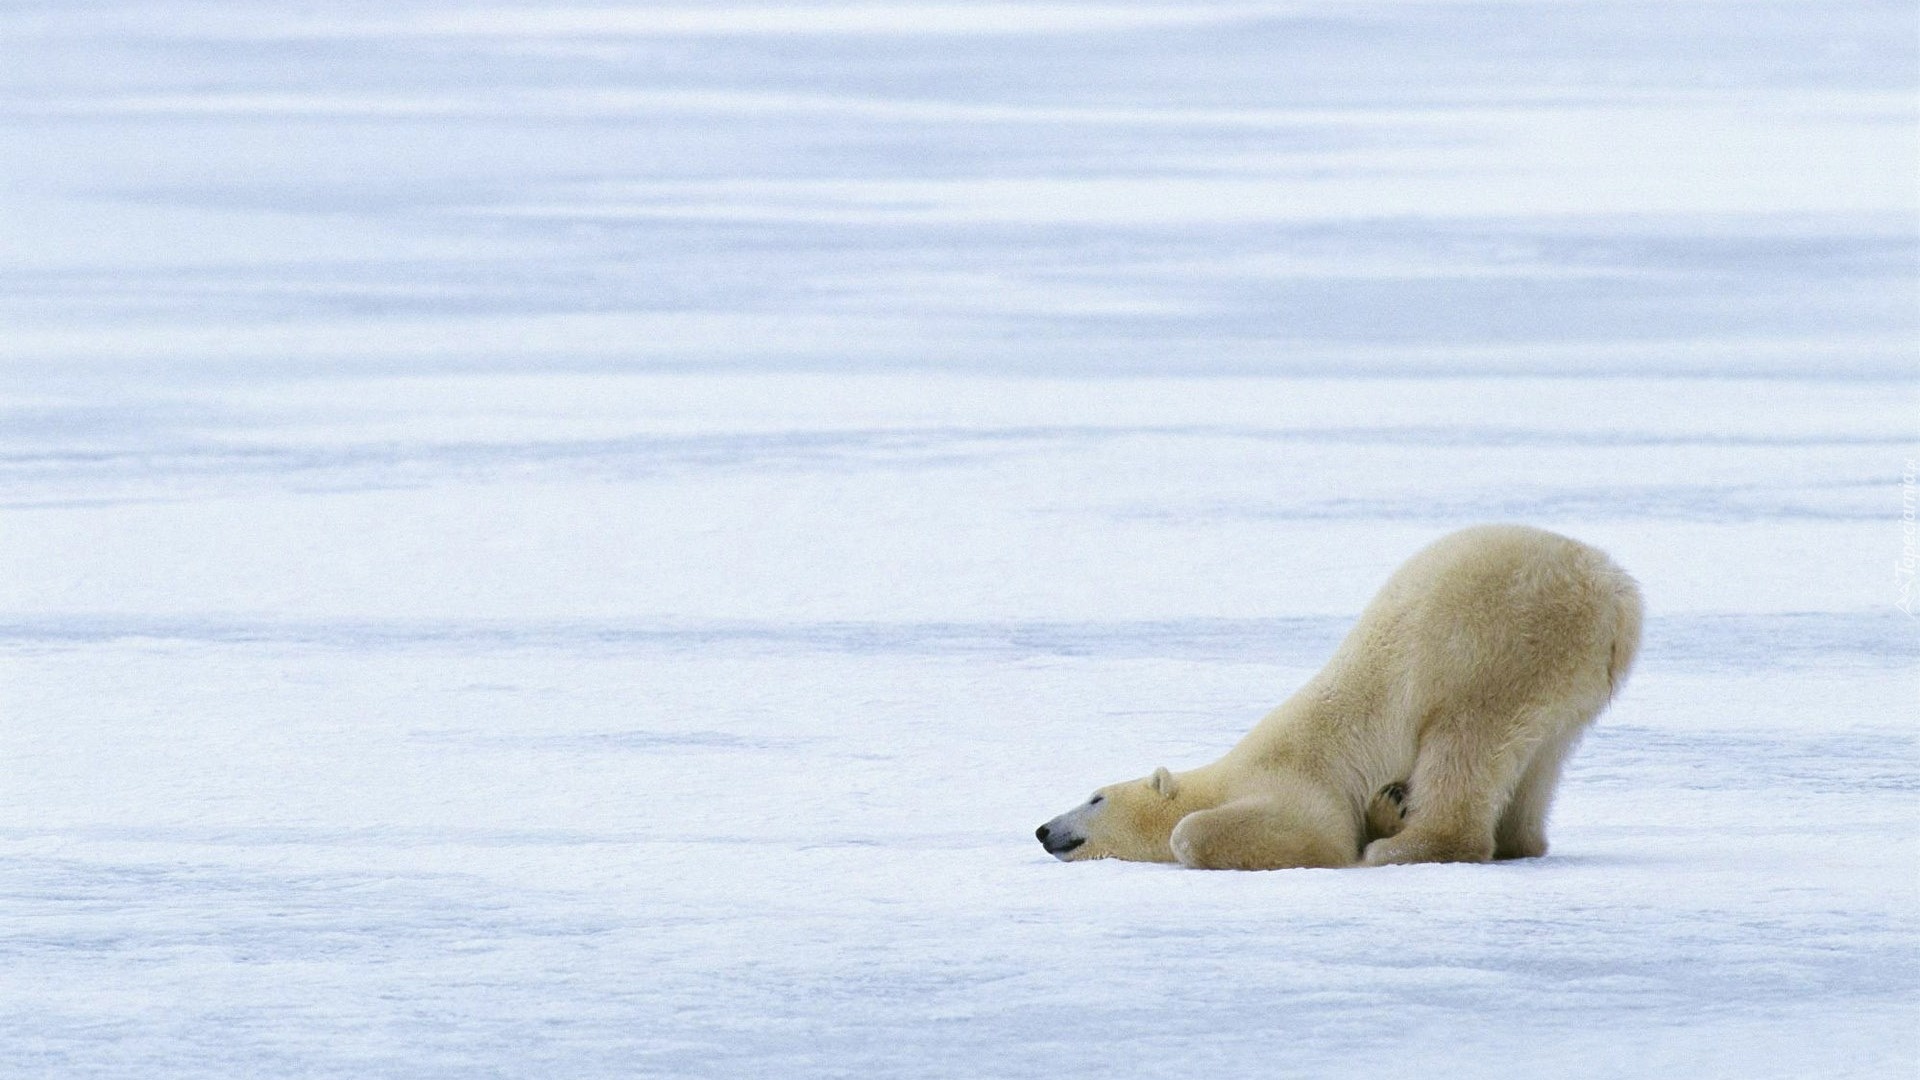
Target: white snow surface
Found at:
551, 540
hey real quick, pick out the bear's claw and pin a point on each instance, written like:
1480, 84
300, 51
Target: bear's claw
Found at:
1386, 813
1396, 793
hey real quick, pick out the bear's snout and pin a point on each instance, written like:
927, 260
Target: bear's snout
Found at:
1057, 842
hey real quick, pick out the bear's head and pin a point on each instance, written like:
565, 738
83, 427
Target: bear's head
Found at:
1131, 820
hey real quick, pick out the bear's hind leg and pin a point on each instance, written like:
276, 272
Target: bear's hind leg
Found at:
1522, 832
1258, 833
1462, 777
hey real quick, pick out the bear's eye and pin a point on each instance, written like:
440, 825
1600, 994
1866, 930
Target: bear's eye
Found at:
1096, 800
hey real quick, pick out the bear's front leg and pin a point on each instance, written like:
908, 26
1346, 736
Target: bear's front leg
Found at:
1261, 833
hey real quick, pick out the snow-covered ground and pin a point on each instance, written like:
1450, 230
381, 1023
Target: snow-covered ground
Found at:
565, 541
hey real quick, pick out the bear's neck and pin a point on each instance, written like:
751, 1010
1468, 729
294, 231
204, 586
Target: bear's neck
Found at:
1203, 788
1291, 744
1290, 732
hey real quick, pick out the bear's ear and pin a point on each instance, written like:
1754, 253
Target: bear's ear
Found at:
1164, 783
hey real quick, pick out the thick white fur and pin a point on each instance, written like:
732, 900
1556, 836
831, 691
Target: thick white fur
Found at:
1469, 678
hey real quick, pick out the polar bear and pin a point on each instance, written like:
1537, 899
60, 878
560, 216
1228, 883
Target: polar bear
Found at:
1451, 704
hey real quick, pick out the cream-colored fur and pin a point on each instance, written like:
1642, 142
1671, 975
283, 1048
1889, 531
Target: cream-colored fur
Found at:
1463, 688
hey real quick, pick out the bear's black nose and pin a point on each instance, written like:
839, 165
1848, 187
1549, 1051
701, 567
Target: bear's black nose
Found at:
1041, 832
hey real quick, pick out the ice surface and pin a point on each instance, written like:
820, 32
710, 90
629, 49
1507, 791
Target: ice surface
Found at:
569, 541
